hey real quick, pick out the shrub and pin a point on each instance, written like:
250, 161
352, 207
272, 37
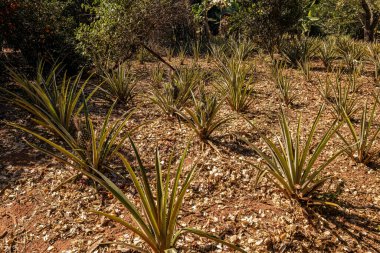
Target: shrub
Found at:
118, 28
42, 29
360, 149
155, 221
292, 166
235, 83
203, 118
267, 21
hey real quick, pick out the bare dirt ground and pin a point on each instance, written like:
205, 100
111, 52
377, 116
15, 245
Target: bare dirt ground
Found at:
223, 198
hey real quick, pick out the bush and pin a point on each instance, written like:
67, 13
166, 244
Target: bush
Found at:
267, 21
41, 29
118, 27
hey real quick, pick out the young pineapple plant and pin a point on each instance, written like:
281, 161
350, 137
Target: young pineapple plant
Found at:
327, 52
196, 50
177, 92
182, 55
360, 149
53, 100
170, 53
351, 52
203, 119
305, 69
298, 52
236, 84
353, 82
143, 55
240, 49
157, 75
156, 220
292, 166
282, 83
120, 84
340, 97
217, 51
89, 149
373, 56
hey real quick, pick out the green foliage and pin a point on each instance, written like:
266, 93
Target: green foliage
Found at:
327, 52
196, 50
306, 71
177, 92
282, 82
157, 74
119, 27
360, 149
240, 49
340, 17
53, 100
325, 90
155, 220
41, 29
203, 118
351, 52
169, 53
267, 21
373, 56
342, 100
339, 96
217, 51
120, 84
182, 55
293, 166
353, 83
88, 150
235, 83
298, 51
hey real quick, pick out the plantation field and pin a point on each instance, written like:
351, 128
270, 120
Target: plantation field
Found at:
40, 212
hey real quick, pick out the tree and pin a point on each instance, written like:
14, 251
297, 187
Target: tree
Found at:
268, 20
41, 28
370, 18
119, 27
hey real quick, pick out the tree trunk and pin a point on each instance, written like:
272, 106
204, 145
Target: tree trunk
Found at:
370, 20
